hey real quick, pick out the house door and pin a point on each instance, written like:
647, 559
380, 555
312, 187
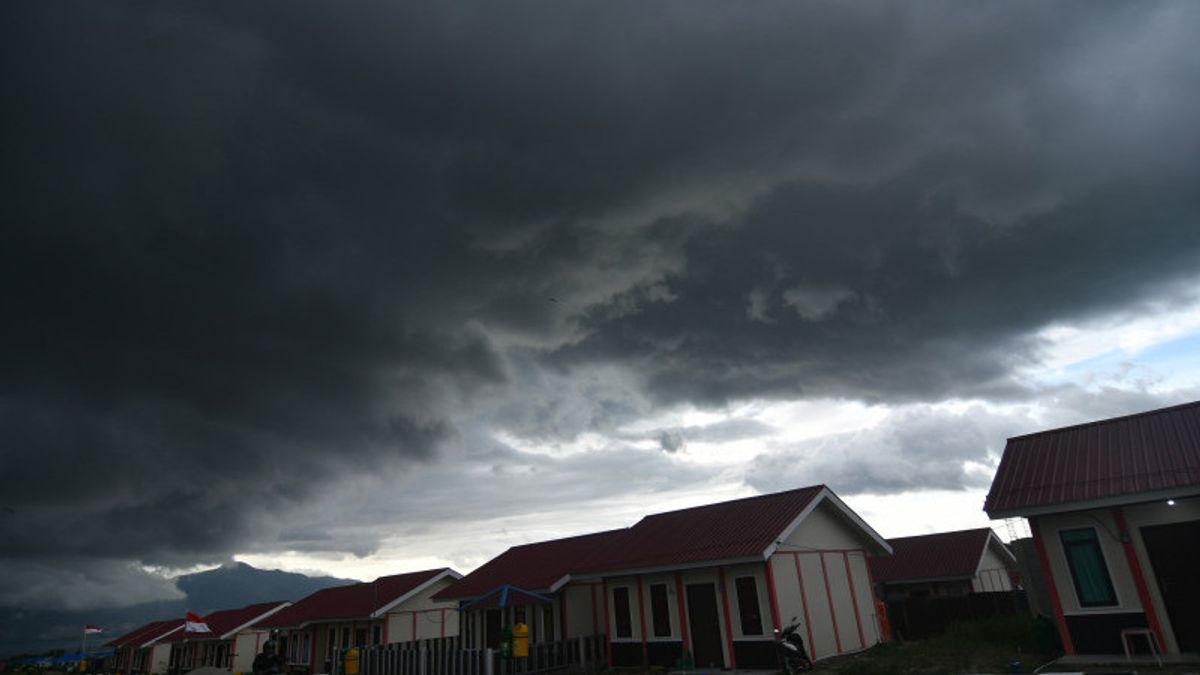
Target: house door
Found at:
491, 631
1174, 550
704, 625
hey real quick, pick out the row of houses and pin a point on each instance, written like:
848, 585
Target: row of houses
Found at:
1113, 507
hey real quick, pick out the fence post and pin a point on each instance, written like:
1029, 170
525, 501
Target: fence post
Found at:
488, 668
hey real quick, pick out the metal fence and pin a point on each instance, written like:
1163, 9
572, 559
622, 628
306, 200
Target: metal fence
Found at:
447, 656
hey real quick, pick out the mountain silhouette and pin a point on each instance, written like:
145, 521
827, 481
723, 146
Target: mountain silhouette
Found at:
33, 631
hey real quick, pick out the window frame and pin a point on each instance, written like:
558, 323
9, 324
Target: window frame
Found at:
1112, 600
628, 624
656, 621
752, 593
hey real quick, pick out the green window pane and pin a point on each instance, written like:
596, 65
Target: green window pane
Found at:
1088, 572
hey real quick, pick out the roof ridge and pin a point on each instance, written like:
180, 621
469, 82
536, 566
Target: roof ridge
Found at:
727, 502
934, 534
1109, 420
569, 538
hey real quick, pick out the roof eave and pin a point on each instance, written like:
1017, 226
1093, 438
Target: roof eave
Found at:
256, 619
1090, 504
666, 568
415, 590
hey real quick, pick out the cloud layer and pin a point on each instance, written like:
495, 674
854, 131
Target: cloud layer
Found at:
255, 253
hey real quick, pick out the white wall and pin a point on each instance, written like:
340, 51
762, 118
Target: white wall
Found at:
819, 552
246, 646
432, 618
160, 658
1136, 517
993, 575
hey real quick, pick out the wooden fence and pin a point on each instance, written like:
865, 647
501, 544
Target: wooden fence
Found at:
447, 656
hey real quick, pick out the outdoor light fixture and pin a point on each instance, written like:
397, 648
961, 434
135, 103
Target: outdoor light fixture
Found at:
1170, 502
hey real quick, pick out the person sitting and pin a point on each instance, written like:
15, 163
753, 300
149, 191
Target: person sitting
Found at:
267, 662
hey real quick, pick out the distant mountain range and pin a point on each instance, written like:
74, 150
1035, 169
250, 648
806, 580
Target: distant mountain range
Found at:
24, 631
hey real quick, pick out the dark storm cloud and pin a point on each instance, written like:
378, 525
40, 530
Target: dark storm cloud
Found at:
254, 251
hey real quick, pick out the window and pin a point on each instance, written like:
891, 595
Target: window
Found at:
305, 648
621, 612
747, 595
548, 624
659, 611
346, 638
1088, 571
332, 643
360, 637
377, 635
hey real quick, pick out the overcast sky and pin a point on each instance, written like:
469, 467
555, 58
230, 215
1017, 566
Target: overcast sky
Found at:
367, 288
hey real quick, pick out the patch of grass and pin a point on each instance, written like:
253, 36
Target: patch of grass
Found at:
986, 645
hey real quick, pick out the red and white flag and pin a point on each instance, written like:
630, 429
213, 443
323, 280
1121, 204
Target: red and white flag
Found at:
194, 624
92, 629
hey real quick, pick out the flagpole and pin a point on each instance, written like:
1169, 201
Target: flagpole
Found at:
83, 645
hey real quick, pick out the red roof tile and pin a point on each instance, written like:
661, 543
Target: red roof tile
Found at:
221, 622
141, 635
348, 602
741, 528
943, 555
729, 530
1115, 459
536, 566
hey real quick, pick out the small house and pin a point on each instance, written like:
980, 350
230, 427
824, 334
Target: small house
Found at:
390, 609
1114, 508
704, 586
945, 564
145, 649
221, 646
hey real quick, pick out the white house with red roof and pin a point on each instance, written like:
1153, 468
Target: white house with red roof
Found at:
390, 609
710, 582
219, 646
144, 649
945, 564
1114, 508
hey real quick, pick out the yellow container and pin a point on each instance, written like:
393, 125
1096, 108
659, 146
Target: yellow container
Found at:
520, 641
350, 662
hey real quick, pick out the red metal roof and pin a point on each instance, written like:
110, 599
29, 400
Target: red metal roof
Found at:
1115, 459
942, 555
535, 566
221, 622
143, 634
356, 601
740, 528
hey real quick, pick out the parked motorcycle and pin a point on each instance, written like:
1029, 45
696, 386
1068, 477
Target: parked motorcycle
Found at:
793, 658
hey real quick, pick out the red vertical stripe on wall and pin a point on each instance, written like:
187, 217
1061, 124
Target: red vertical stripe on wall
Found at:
1139, 579
862, 639
728, 623
679, 605
874, 599
804, 605
772, 598
837, 638
1055, 604
443, 622
414, 630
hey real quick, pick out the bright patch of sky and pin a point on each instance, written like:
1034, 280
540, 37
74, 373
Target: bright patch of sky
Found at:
1156, 349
